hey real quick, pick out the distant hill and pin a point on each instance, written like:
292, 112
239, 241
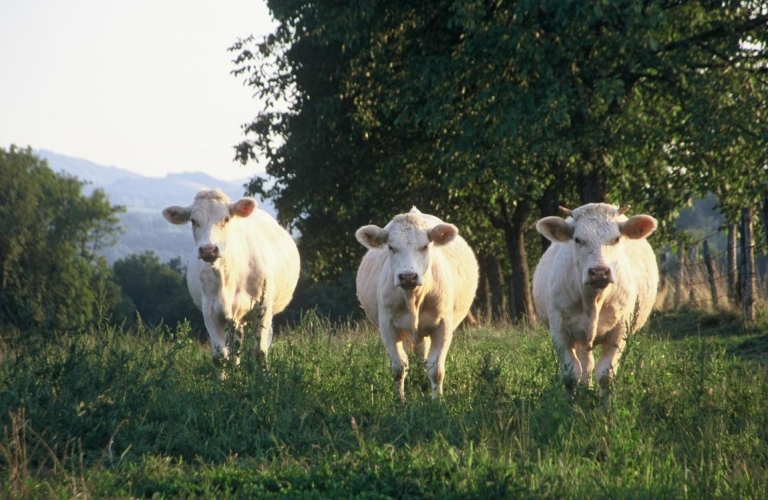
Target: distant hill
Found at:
144, 198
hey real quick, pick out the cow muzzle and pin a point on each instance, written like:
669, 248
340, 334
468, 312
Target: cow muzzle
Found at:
208, 253
408, 281
599, 276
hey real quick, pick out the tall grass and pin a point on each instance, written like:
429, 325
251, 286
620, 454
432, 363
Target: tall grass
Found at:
143, 414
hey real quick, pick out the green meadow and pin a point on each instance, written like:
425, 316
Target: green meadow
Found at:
144, 414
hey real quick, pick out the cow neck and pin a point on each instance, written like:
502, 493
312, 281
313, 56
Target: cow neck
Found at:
413, 300
592, 300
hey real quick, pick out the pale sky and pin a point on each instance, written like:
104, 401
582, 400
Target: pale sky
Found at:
143, 85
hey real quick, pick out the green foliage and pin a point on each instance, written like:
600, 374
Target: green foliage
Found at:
112, 413
157, 292
49, 271
492, 113
333, 299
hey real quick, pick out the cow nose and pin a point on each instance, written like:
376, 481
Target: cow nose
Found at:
599, 275
408, 280
208, 253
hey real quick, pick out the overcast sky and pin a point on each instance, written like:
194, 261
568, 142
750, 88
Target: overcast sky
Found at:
143, 85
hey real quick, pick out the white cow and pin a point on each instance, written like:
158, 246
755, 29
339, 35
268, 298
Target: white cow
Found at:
243, 258
416, 282
595, 285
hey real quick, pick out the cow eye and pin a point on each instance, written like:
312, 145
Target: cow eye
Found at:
194, 222
225, 221
425, 248
579, 241
391, 249
616, 241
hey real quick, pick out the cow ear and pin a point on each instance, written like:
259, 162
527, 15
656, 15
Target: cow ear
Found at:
555, 229
371, 236
243, 207
443, 234
177, 215
638, 226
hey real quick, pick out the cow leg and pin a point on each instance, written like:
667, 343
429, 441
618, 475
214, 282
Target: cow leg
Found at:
265, 334
587, 362
570, 367
609, 360
398, 359
422, 348
438, 350
217, 333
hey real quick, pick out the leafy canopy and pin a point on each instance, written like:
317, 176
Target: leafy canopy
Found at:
50, 275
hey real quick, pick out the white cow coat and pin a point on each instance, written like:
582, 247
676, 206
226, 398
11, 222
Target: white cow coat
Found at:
595, 285
416, 282
243, 258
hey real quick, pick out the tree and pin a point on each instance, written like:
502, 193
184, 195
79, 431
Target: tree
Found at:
51, 274
157, 291
496, 112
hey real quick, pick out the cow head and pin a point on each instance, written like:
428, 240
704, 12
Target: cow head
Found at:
596, 231
408, 239
210, 215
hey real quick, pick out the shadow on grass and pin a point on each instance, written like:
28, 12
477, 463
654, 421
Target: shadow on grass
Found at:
754, 349
691, 323
746, 343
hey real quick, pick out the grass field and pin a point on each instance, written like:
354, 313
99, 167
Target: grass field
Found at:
143, 414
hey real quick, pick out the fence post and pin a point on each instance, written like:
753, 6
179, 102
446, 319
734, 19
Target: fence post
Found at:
748, 251
764, 217
680, 274
693, 259
710, 271
731, 272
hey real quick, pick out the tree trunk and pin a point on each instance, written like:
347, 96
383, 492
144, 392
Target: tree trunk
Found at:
764, 217
482, 304
514, 223
491, 291
592, 186
520, 300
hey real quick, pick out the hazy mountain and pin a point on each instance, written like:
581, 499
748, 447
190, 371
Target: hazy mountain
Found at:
144, 198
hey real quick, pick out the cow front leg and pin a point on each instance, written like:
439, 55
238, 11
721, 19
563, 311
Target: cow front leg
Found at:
570, 366
587, 362
438, 351
216, 326
608, 363
422, 349
398, 358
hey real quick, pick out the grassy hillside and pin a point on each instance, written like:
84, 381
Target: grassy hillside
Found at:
113, 414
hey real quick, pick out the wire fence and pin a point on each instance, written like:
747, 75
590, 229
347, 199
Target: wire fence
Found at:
698, 274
